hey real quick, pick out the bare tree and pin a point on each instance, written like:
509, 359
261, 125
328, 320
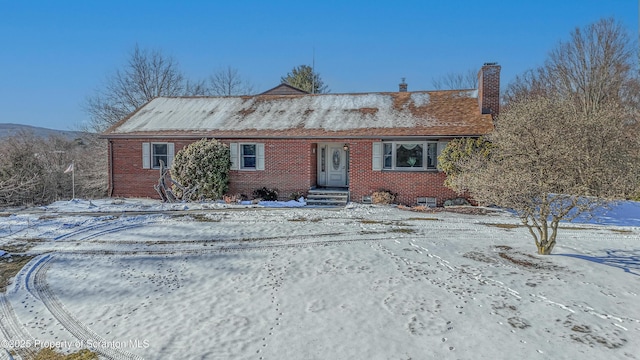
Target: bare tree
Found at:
550, 163
453, 81
147, 75
91, 174
32, 168
567, 142
528, 84
196, 88
596, 66
593, 67
20, 171
227, 82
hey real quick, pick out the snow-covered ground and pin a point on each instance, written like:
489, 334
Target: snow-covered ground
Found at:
132, 280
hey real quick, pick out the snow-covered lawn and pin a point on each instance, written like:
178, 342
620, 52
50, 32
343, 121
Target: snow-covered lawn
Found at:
210, 281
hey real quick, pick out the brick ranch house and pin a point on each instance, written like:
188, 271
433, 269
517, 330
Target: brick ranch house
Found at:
295, 141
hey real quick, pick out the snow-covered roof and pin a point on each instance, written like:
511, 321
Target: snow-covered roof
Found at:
375, 114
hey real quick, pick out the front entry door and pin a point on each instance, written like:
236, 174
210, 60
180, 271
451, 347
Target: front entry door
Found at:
336, 164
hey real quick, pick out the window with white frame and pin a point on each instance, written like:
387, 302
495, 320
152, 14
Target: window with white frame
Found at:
159, 152
153, 153
409, 155
388, 156
247, 156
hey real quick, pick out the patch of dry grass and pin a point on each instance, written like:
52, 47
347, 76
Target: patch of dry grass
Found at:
503, 226
527, 261
203, 218
516, 226
50, 354
10, 266
22, 245
402, 230
302, 219
468, 210
48, 217
622, 231
573, 228
369, 221
478, 256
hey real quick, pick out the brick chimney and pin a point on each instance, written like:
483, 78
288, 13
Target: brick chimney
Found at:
403, 86
489, 89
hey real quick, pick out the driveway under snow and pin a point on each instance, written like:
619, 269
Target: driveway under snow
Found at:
363, 282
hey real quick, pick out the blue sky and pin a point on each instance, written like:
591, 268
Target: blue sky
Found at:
53, 54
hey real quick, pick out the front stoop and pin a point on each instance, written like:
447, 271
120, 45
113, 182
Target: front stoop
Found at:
328, 197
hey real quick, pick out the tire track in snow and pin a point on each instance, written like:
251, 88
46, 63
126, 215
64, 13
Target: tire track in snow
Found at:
36, 284
41, 289
212, 246
13, 330
69, 322
10, 325
95, 230
24, 277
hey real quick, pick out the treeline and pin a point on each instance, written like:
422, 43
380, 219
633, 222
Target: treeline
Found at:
32, 169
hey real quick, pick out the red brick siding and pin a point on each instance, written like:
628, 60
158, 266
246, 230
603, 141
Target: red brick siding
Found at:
129, 178
290, 166
408, 185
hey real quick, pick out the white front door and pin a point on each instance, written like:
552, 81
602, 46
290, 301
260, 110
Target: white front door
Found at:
336, 165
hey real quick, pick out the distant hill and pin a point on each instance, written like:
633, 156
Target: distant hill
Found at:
7, 130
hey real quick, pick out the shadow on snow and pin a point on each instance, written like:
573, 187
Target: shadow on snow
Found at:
627, 260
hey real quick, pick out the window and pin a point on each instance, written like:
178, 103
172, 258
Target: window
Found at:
432, 155
153, 153
158, 153
388, 156
410, 156
248, 156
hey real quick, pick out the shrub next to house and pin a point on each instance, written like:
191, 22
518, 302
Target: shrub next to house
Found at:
204, 164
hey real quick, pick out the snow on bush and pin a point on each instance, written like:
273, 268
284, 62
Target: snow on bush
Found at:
204, 164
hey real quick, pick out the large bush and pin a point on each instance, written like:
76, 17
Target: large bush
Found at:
551, 163
567, 143
204, 164
459, 149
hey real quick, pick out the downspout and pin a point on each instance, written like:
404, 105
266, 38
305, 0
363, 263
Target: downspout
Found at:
111, 177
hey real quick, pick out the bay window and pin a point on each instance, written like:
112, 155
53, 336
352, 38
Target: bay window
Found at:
408, 155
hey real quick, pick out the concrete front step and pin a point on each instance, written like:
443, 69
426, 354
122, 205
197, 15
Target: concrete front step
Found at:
328, 197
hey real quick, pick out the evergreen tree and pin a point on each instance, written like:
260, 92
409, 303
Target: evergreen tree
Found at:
304, 78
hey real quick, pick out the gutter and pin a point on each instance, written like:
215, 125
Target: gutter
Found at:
110, 149
239, 136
